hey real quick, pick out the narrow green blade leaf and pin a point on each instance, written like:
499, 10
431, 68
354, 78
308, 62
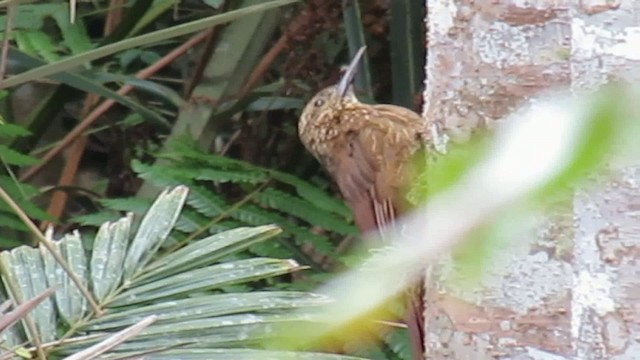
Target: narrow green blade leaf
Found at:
84, 83
10, 318
24, 267
107, 259
71, 304
11, 157
208, 251
154, 228
233, 329
142, 40
240, 354
356, 37
206, 278
407, 50
209, 306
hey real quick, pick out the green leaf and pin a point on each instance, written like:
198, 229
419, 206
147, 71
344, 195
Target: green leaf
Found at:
142, 40
208, 251
109, 252
242, 354
37, 43
154, 228
11, 221
12, 157
71, 304
11, 131
152, 87
306, 211
207, 278
355, 32
407, 50
23, 267
206, 201
96, 219
209, 306
86, 84
74, 34
267, 103
32, 16
601, 128
134, 205
173, 287
216, 4
313, 194
253, 177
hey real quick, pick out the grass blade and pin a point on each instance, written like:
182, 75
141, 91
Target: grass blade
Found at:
142, 40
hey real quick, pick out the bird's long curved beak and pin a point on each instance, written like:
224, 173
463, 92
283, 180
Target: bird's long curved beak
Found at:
347, 77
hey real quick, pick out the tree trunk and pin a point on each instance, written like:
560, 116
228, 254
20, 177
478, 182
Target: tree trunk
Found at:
570, 291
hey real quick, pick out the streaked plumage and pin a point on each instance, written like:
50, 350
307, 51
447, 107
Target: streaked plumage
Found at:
367, 150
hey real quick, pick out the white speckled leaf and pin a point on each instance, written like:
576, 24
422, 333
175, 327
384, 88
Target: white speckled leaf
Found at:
206, 278
209, 250
71, 304
27, 271
211, 306
154, 228
213, 333
107, 259
12, 336
68, 299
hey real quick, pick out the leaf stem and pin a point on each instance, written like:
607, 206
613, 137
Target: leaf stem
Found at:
51, 248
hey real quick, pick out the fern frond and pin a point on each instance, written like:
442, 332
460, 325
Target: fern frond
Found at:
252, 213
305, 210
252, 177
310, 217
191, 221
313, 194
96, 219
205, 201
134, 205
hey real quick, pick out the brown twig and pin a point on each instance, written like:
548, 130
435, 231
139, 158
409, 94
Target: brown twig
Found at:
203, 59
276, 49
264, 64
59, 198
207, 50
114, 17
106, 105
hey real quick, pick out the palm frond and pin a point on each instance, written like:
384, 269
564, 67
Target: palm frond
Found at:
177, 294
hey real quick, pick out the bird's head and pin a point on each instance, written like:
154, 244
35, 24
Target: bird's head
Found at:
332, 98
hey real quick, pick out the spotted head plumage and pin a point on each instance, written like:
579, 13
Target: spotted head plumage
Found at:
328, 103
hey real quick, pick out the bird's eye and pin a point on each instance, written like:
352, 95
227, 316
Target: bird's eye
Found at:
318, 103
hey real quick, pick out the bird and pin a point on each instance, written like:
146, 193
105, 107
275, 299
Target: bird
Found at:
368, 151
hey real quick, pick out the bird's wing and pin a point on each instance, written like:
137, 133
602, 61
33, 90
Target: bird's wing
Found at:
362, 180
370, 178
365, 182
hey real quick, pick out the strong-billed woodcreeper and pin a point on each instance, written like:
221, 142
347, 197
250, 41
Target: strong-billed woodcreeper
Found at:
367, 150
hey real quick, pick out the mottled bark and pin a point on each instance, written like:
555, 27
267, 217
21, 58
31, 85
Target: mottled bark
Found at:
572, 289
